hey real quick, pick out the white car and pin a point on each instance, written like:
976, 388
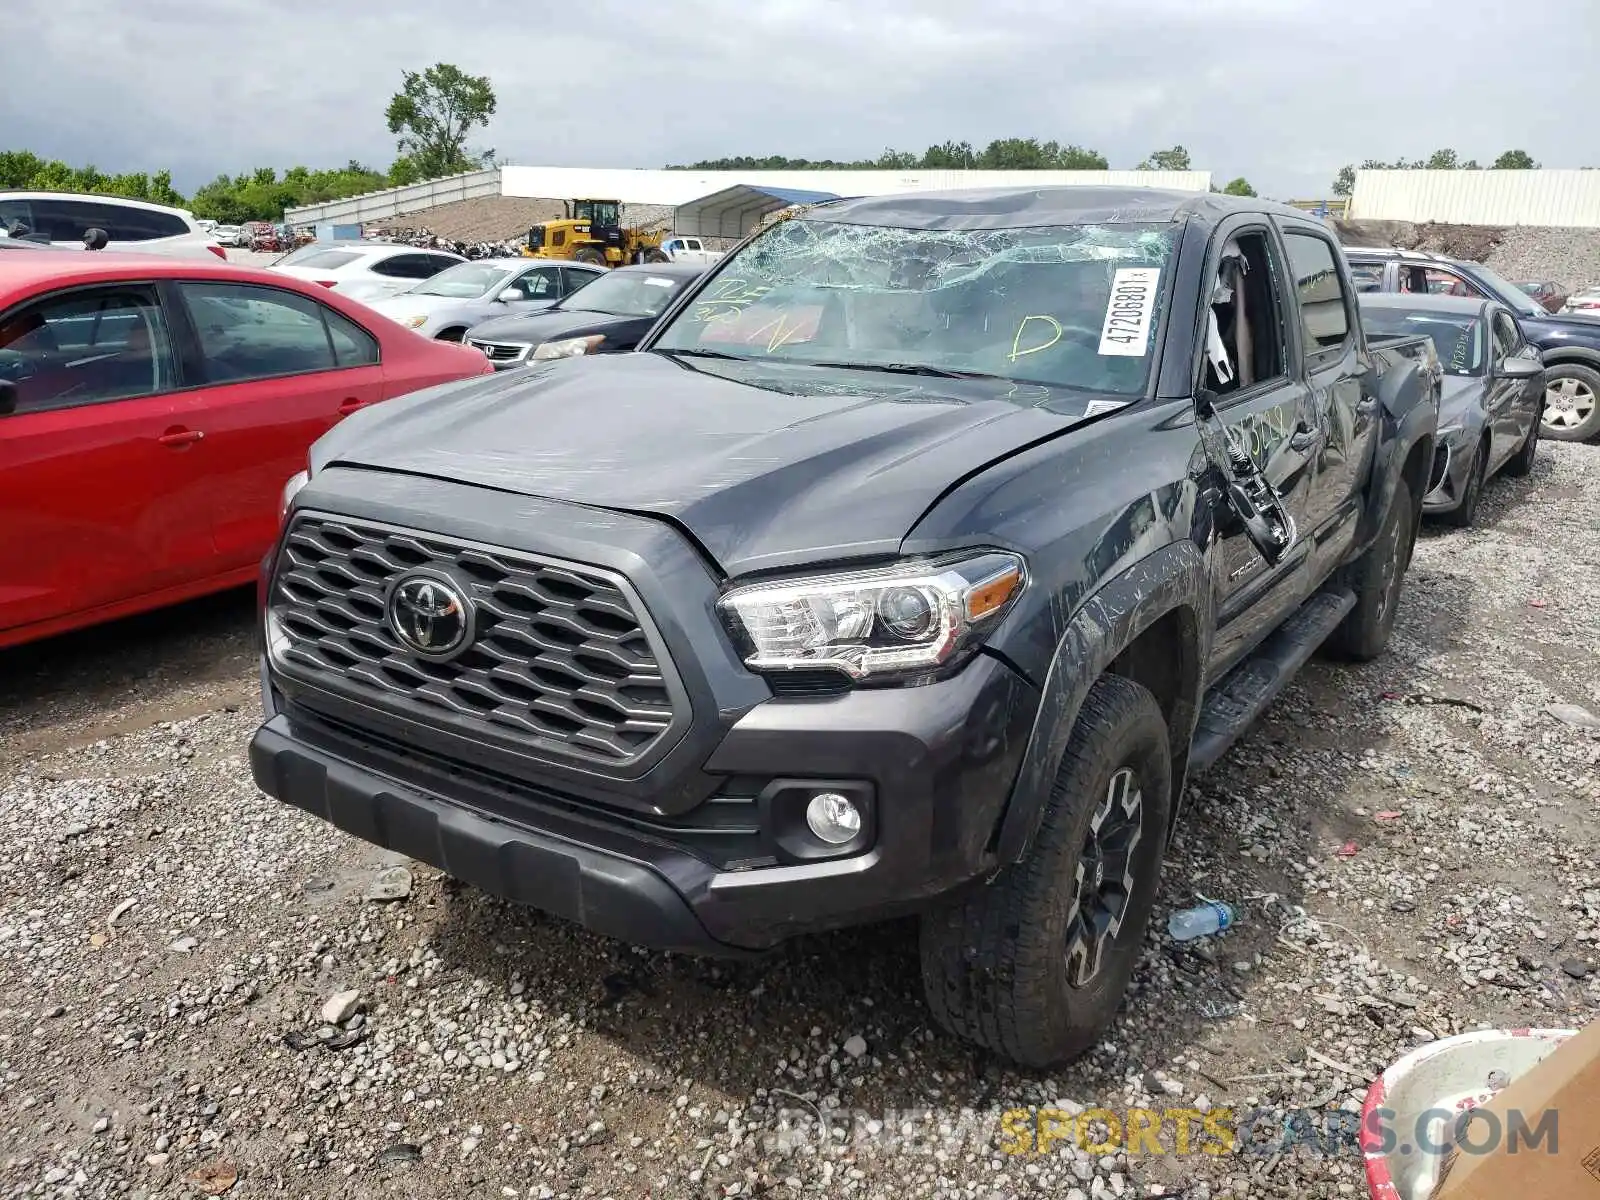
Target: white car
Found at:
128, 224
365, 270
229, 235
445, 305
689, 249
1586, 301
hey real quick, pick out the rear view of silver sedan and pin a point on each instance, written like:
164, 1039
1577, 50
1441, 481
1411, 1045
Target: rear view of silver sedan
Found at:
446, 305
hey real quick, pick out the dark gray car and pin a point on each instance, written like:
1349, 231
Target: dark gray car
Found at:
1494, 382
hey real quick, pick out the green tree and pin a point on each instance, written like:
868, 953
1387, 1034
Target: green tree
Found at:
1239, 187
1176, 159
950, 156
1515, 160
434, 112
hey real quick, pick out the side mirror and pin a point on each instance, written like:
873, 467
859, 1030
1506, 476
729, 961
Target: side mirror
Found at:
510, 296
95, 239
8, 397
1516, 367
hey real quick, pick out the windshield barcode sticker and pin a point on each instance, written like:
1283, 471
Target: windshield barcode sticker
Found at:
1133, 300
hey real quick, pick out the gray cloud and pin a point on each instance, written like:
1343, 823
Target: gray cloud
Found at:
1280, 91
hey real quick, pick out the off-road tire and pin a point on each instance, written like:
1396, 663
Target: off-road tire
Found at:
656, 256
1587, 378
1464, 514
1377, 578
1521, 462
590, 255
994, 963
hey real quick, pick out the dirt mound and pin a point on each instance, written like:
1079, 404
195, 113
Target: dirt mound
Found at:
1474, 242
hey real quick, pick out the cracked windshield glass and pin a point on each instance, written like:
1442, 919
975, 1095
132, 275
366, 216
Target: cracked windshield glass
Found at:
1074, 307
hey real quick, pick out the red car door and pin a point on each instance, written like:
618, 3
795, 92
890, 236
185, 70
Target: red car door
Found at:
280, 369
101, 493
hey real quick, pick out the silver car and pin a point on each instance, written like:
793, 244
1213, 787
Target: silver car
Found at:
447, 304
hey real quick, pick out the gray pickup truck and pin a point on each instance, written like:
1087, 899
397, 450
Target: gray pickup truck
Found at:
922, 550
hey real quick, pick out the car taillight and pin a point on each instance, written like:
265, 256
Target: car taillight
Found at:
219, 252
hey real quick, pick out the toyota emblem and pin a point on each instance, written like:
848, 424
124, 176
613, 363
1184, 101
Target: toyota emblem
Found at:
430, 615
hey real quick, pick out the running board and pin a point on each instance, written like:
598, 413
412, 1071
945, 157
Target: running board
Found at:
1243, 694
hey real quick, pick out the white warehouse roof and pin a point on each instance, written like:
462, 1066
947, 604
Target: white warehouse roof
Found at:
679, 187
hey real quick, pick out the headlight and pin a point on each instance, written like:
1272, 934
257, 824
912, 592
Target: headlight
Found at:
296, 482
569, 348
912, 617
414, 322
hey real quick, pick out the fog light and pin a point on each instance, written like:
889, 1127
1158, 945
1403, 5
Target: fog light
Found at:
833, 818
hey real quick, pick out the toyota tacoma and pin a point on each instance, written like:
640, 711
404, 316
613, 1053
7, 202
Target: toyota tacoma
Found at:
920, 552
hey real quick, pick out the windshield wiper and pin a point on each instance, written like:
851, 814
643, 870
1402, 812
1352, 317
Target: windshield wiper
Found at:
701, 354
911, 369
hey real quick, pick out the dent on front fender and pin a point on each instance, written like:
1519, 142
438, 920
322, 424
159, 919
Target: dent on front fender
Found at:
1174, 578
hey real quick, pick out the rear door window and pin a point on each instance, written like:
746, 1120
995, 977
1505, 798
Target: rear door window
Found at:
91, 346
249, 332
69, 220
1324, 308
411, 266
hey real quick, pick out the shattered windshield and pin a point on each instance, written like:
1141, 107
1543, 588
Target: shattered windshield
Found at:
1070, 306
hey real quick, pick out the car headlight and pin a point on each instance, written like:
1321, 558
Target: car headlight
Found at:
296, 482
910, 618
568, 347
414, 322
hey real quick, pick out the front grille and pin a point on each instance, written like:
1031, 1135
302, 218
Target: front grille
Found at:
501, 351
560, 662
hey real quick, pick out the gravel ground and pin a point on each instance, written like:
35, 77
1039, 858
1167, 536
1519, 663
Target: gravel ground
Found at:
1411, 843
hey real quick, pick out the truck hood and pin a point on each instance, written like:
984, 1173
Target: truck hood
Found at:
766, 465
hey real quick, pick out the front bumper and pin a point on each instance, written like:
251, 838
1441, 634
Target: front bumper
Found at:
937, 763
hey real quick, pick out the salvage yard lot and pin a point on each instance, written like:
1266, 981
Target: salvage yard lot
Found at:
163, 927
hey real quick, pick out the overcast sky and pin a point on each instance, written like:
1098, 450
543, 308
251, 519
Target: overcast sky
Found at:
1280, 91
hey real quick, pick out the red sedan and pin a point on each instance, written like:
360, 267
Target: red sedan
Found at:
151, 411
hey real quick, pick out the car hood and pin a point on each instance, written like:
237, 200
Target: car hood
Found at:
534, 328
1579, 326
410, 304
765, 465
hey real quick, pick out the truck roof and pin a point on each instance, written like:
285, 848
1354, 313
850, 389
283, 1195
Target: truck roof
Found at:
1024, 207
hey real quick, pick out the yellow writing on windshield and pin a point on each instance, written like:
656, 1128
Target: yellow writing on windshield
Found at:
1018, 350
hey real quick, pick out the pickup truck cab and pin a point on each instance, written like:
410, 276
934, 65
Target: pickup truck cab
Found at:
923, 548
689, 249
1568, 342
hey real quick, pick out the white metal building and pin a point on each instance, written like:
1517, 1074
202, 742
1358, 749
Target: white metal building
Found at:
679, 187
672, 188
1569, 198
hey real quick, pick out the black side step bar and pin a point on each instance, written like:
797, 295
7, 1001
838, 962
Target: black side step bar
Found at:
1243, 694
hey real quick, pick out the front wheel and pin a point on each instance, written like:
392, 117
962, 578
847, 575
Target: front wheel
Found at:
450, 335
1571, 403
1522, 462
590, 255
1377, 577
1465, 513
656, 256
1033, 965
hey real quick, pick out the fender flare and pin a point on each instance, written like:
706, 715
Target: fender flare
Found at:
1579, 355
1177, 575
1417, 425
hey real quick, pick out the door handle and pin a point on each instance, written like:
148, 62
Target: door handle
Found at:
180, 437
350, 405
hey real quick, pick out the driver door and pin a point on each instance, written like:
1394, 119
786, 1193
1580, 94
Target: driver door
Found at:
1260, 409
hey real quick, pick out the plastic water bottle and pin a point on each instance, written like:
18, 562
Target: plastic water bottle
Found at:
1211, 917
